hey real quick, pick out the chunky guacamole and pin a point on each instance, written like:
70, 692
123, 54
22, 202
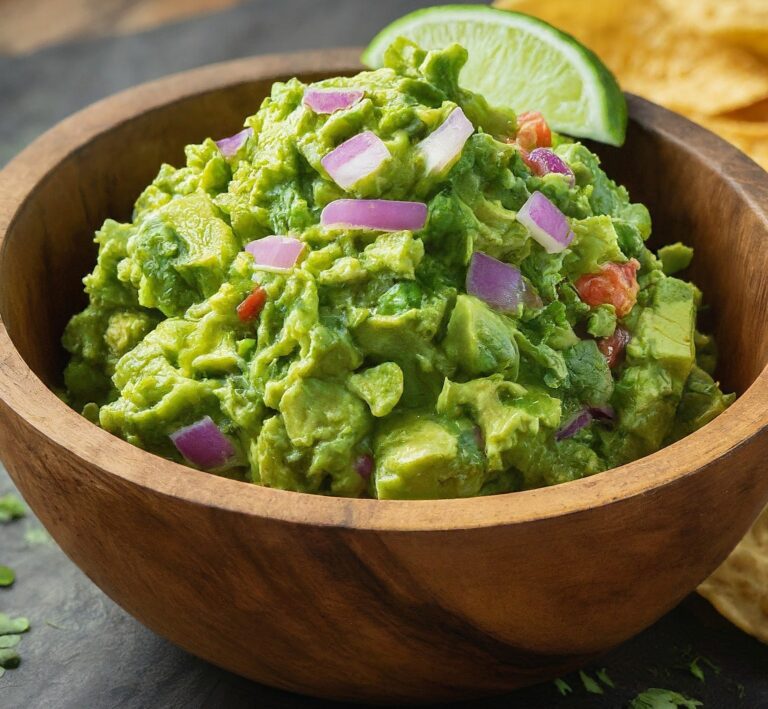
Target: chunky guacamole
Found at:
386, 287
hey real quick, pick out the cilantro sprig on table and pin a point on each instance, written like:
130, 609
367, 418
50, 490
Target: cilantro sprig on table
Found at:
11, 508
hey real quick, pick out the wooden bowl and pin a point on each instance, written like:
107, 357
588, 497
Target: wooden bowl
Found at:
390, 601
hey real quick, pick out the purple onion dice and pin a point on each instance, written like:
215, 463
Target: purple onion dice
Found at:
443, 147
378, 214
331, 100
355, 159
546, 223
498, 284
364, 466
574, 425
543, 161
228, 147
203, 444
275, 253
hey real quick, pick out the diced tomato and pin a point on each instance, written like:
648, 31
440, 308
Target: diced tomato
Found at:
613, 347
616, 284
532, 131
252, 306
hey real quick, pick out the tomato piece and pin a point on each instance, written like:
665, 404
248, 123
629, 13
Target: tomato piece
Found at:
533, 131
613, 346
615, 284
252, 306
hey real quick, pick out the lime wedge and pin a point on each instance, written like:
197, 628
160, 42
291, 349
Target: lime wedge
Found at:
521, 62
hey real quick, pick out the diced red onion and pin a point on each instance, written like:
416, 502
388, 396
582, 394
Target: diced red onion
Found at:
543, 161
364, 466
355, 159
603, 413
546, 223
442, 147
275, 253
331, 100
500, 285
203, 444
574, 425
229, 146
378, 214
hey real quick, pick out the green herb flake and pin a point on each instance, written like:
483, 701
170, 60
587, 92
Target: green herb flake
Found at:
7, 575
589, 684
11, 507
7, 641
695, 669
563, 687
34, 536
602, 675
12, 626
9, 658
656, 698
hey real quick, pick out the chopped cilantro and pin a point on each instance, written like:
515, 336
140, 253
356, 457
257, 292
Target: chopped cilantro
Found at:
656, 698
11, 507
12, 626
9, 658
695, 669
7, 641
589, 684
602, 675
37, 535
7, 576
563, 687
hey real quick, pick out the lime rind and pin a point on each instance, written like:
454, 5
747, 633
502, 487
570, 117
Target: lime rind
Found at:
603, 113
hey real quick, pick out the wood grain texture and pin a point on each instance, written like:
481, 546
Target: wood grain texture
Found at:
389, 601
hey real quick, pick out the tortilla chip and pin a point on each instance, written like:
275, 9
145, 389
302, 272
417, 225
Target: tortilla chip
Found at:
739, 588
655, 56
751, 137
741, 22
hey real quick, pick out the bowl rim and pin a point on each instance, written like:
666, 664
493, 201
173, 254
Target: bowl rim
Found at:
24, 393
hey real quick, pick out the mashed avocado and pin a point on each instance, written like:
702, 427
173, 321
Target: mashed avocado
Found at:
369, 367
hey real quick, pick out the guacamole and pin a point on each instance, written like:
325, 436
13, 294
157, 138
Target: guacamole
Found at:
385, 287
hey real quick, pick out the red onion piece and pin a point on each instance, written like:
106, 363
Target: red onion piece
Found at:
275, 253
364, 466
378, 214
355, 159
543, 161
203, 444
546, 223
574, 425
604, 413
442, 147
229, 146
498, 284
331, 100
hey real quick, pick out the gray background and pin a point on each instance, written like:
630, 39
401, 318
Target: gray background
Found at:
85, 652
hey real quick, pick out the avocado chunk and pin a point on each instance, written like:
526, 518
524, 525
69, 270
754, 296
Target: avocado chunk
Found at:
480, 341
380, 387
425, 457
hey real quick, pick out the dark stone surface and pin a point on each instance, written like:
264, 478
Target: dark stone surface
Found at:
85, 652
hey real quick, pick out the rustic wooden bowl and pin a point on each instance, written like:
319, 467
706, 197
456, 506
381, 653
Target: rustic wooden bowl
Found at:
389, 601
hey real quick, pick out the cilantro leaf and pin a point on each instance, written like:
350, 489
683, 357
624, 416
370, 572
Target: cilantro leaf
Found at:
7, 641
589, 684
602, 675
656, 698
7, 575
696, 670
9, 658
563, 687
12, 626
11, 507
